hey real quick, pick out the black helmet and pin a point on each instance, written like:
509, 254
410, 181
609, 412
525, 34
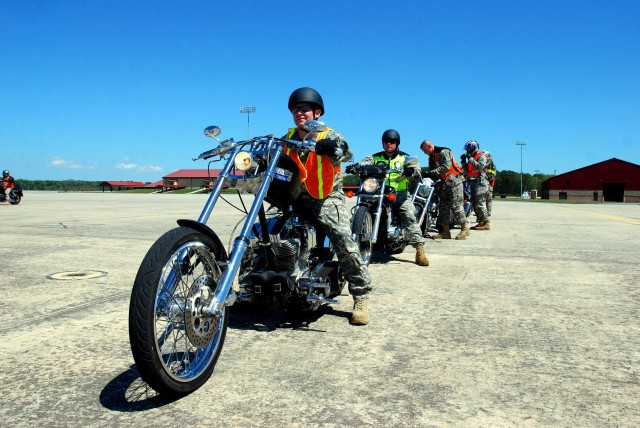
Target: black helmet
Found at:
5, 173
391, 134
306, 96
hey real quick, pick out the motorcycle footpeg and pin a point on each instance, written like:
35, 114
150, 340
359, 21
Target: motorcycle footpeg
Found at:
312, 298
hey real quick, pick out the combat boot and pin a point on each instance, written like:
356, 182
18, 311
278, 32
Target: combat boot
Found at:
464, 232
421, 257
486, 225
360, 315
480, 223
445, 234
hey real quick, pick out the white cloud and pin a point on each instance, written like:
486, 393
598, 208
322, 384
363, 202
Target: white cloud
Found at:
123, 165
138, 168
57, 162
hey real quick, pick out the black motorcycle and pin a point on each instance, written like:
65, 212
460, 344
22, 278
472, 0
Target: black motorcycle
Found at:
15, 196
376, 225
179, 308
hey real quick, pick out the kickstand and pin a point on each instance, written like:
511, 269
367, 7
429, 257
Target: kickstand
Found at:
426, 234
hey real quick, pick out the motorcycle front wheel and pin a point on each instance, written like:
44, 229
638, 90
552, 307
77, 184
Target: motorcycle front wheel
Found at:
174, 346
362, 229
14, 199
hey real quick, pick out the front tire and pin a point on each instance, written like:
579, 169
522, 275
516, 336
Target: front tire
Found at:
362, 228
174, 346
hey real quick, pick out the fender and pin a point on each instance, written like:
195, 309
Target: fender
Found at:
202, 228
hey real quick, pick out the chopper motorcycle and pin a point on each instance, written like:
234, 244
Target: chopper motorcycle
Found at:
15, 196
376, 225
179, 308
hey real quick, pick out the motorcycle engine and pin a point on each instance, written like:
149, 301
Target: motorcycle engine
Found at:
271, 283
288, 252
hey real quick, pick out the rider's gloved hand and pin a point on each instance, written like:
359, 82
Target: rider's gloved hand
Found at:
463, 158
326, 147
407, 171
349, 169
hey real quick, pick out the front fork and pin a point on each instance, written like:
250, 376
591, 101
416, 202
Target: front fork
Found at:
174, 275
222, 293
368, 200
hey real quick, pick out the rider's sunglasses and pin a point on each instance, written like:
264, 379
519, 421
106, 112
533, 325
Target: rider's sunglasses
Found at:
390, 142
303, 108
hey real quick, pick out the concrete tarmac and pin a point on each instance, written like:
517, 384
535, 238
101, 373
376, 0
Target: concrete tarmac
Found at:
534, 323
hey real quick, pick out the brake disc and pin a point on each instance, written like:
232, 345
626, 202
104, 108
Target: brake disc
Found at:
200, 329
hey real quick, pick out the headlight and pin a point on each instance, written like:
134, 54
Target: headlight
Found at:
243, 161
370, 185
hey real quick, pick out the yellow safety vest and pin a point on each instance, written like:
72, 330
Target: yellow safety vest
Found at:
392, 177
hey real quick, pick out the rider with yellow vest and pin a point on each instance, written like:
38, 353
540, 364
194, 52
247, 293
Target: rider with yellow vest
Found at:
322, 196
401, 170
475, 163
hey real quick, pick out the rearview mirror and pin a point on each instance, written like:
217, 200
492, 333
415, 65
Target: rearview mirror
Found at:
314, 126
212, 131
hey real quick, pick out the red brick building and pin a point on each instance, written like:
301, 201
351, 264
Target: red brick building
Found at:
121, 185
192, 178
613, 180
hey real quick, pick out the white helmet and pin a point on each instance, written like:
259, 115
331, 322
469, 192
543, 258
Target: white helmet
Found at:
471, 146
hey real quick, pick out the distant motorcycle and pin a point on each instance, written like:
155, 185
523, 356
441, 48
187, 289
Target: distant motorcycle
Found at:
426, 200
426, 203
376, 224
15, 196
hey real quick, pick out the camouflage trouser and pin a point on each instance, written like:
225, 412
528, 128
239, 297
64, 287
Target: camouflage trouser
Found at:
407, 213
489, 201
452, 200
479, 195
334, 216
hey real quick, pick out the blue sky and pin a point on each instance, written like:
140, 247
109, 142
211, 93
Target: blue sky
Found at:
121, 90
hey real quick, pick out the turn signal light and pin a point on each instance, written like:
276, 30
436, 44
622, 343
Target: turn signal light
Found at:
349, 193
391, 197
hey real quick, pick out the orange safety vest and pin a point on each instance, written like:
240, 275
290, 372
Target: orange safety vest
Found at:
473, 172
455, 169
317, 174
7, 183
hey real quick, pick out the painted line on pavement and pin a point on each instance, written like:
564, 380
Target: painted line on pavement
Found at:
612, 217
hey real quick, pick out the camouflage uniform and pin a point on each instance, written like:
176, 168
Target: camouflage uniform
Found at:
479, 186
491, 177
406, 210
331, 212
450, 193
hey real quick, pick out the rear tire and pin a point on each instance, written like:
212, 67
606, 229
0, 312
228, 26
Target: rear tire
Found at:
174, 347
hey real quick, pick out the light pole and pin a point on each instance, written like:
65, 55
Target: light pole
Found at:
521, 143
248, 110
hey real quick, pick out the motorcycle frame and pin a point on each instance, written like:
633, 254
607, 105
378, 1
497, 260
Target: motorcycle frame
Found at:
424, 202
369, 199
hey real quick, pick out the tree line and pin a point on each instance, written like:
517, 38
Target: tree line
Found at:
60, 185
507, 182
